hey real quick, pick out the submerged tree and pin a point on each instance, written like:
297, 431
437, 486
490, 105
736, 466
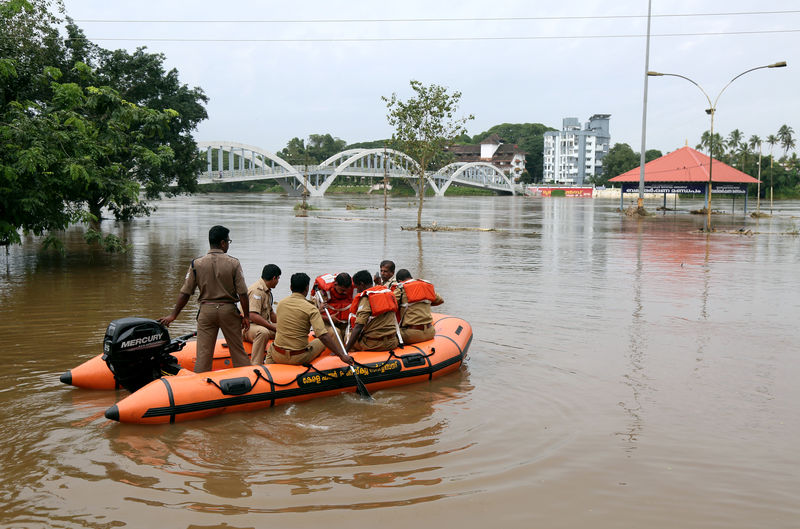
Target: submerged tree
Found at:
83, 128
423, 126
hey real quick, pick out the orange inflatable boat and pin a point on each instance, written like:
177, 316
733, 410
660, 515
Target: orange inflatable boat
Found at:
95, 374
157, 399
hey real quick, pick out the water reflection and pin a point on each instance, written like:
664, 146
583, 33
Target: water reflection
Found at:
607, 350
635, 377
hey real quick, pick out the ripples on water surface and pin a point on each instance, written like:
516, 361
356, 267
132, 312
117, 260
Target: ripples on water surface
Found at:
623, 373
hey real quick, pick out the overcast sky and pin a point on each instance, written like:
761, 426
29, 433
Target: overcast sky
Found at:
274, 70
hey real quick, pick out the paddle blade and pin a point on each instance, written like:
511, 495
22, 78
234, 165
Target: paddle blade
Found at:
362, 390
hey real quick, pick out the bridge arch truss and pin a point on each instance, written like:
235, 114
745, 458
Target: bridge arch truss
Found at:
228, 161
473, 174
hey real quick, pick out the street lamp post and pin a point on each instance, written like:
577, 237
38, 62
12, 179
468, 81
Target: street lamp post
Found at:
711, 110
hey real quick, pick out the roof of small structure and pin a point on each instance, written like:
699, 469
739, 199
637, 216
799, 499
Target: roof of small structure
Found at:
471, 149
685, 165
492, 139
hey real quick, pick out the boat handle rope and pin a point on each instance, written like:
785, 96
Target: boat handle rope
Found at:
391, 355
278, 384
310, 367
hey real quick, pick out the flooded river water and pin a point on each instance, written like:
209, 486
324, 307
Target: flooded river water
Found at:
624, 372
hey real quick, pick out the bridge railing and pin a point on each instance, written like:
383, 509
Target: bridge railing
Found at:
245, 162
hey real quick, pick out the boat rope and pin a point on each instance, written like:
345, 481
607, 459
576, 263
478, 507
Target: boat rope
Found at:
240, 389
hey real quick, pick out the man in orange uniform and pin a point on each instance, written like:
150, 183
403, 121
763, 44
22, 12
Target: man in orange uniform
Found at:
221, 282
415, 297
376, 316
337, 296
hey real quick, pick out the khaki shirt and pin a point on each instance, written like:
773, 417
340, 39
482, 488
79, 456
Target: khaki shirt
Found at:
259, 296
377, 327
219, 277
416, 314
390, 283
296, 315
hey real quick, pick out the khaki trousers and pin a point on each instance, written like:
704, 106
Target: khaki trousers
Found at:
381, 343
417, 335
314, 349
259, 336
212, 318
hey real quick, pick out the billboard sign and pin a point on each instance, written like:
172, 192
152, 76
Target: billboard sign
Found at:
689, 188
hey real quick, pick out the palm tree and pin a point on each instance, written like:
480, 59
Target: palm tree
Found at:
788, 145
706, 143
772, 140
785, 137
755, 142
734, 140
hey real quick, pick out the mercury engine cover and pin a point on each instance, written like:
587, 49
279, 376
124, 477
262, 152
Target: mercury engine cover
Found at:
137, 350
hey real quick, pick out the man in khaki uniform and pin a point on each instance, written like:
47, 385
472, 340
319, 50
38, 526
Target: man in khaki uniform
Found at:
386, 275
262, 316
372, 332
416, 321
221, 282
296, 315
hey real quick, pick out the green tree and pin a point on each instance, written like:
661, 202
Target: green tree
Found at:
652, 154
29, 40
318, 148
734, 141
59, 160
529, 137
375, 144
323, 146
423, 126
772, 140
84, 128
620, 159
714, 145
295, 152
785, 138
754, 142
141, 79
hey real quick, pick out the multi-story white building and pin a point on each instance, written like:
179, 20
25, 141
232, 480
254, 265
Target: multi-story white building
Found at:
573, 155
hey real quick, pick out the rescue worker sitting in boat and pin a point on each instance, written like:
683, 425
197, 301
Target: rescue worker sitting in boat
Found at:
386, 275
415, 297
375, 308
337, 294
296, 315
262, 314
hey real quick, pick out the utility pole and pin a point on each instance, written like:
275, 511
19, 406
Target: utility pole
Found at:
385, 178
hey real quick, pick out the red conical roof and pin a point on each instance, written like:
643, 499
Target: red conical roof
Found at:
685, 165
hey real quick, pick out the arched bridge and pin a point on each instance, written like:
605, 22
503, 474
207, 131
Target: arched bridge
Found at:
237, 162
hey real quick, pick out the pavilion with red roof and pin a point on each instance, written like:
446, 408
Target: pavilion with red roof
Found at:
686, 171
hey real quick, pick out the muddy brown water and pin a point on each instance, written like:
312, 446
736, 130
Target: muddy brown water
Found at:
624, 372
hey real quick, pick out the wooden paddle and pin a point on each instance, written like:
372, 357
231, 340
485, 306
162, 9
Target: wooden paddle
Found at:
360, 387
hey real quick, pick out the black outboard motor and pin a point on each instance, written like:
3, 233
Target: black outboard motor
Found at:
137, 351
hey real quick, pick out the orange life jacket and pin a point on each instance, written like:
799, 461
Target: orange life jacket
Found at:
337, 302
381, 301
418, 291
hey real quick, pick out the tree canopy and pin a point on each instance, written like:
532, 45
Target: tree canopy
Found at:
778, 173
83, 128
620, 159
319, 148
